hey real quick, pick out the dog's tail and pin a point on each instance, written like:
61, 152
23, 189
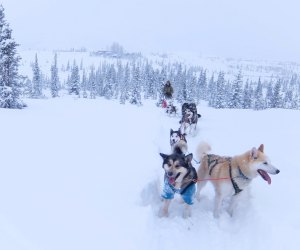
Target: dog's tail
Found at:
202, 149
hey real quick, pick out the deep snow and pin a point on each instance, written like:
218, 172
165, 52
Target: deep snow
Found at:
83, 174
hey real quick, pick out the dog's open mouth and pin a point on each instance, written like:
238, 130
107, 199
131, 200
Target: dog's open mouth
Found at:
173, 179
264, 175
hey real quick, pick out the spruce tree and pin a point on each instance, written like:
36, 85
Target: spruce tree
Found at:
74, 84
247, 96
92, 83
125, 85
220, 98
10, 84
54, 78
277, 98
135, 93
110, 82
259, 101
269, 95
84, 84
36, 79
236, 100
202, 86
212, 90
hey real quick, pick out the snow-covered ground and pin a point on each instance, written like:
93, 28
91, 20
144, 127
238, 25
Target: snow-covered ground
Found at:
82, 174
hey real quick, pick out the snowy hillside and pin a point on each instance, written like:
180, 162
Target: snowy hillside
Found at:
82, 174
252, 69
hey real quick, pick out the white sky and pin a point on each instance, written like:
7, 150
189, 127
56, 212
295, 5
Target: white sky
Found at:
263, 29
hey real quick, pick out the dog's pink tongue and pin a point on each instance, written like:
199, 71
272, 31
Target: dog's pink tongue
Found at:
265, 176
172, 180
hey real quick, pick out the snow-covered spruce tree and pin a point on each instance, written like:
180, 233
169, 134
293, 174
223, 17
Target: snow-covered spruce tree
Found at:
190, 87
54, 78
277, 97
220, 98
269, 95
247, 96
135, 91
27, 88
180, 80
296, 101
202, 86
36, 79
124, 87
119, 79
288, 98
109, 82
10, 84
147, 82
212, 91
74, 83
92, 83
259, 102
84, 84
236, 100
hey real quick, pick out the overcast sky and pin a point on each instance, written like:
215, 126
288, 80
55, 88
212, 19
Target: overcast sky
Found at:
263, 29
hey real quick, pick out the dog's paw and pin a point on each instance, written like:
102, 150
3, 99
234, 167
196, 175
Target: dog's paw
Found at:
187, 212
163, 213
197, 196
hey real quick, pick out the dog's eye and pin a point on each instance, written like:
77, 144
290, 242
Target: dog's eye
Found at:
265, 163
169, 164
177, 166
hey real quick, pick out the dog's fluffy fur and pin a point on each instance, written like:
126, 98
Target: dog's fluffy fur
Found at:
189, 117
178, 142
171, 109
180, 174
234, 173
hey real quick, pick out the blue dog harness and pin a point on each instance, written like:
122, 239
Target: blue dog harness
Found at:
187, 193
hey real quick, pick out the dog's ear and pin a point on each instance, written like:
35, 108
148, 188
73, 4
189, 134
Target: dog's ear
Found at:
261, 148
164, 156
189, 158
171, 131
254, 153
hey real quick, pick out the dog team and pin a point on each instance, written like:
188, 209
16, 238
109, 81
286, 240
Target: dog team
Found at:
229, 175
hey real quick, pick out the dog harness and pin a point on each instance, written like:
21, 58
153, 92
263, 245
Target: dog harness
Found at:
213, 160
186, 193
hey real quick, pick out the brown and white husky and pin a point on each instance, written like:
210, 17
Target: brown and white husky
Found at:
230, 175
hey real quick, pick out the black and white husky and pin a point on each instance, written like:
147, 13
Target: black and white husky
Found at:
179, 177
178, 142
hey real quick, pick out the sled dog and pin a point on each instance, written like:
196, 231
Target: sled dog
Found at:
179, 177
232, 174
189, 117
178, 142
171, 109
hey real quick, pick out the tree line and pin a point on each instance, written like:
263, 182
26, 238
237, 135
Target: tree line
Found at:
136, 80
133, 80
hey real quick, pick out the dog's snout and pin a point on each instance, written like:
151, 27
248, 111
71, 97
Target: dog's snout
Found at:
170, 173
277, 171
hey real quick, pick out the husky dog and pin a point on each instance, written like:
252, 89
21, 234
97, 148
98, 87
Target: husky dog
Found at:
178, 142
180, 177
171, 109
189, 117
232, 174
